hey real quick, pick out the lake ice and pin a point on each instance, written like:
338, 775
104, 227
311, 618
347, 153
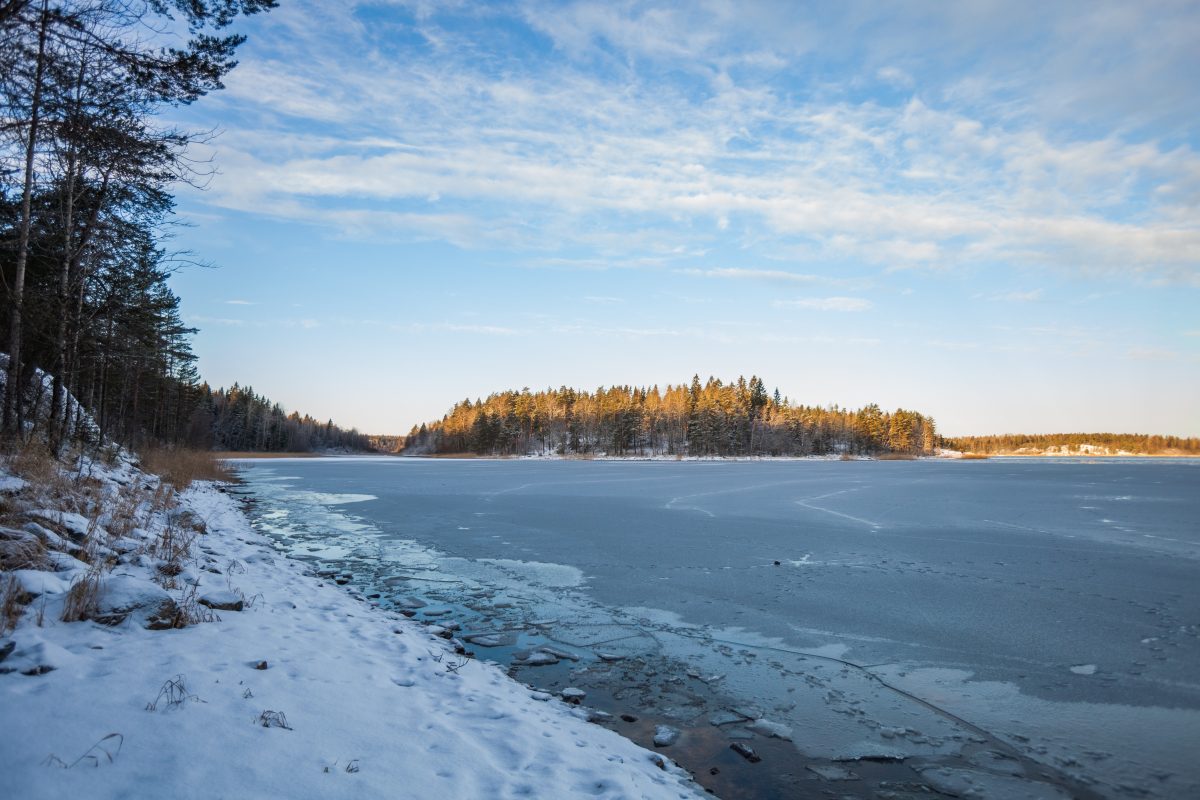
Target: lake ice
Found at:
929, 610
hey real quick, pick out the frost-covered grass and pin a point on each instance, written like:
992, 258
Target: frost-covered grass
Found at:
156, 646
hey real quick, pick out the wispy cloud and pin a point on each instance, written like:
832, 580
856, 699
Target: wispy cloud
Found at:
827, 303
240, 303
1030, 296
595, 147
776, 276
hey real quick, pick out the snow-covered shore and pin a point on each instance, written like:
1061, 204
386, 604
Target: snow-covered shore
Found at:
352, 702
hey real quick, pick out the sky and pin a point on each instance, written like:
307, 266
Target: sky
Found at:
988, 212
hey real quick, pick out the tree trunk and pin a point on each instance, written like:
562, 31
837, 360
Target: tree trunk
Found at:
12, 393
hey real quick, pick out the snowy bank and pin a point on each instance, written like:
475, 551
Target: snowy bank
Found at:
303, 692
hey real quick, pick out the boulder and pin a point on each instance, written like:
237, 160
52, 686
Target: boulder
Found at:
223, 601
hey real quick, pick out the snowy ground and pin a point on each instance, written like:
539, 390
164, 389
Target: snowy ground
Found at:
352, 702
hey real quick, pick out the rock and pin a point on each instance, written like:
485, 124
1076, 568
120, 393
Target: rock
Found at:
572, 695
6, 647
665, 736
437, 612
629, 718
777, 563
119, 596
832, 773
261, 665
541, 696
222, 601
40, 669
746, 752
164, 617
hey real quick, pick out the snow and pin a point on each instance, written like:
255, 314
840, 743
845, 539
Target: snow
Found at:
353, 702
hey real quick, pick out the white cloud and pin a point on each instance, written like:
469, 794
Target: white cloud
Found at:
827, 303
1018, 297
622, 163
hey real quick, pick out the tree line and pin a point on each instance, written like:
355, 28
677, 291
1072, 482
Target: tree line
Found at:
86, 170
1108, 443
238, 419
715, 418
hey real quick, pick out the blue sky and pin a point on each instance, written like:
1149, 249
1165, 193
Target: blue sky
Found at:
984, 211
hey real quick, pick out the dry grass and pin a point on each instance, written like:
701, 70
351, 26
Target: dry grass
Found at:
224, 454
83, 597
896, 457
35, 463
181, 466
187, 611
11, 607
21, 550
974, 456
173, 694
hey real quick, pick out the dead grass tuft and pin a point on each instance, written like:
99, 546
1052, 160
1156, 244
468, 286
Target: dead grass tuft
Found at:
11, 607
896, 457
21, 550
172, 694
181, 466
83, 597
187, 611
974, 456
36, 463
107, 748
273, 719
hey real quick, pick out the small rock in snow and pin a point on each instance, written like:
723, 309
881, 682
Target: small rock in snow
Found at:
573, 695
6, 647
541, 696
665, 736
261, 665
222, 601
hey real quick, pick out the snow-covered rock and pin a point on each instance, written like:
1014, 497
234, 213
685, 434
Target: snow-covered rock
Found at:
223, 600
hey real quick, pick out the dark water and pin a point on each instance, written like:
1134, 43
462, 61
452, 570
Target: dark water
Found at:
1015, 628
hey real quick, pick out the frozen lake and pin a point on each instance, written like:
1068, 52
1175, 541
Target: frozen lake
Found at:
1027, 627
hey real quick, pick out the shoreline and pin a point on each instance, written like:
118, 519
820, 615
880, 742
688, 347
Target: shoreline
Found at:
285, 686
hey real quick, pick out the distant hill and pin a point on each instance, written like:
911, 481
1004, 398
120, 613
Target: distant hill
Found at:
738, 418
1092, 444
